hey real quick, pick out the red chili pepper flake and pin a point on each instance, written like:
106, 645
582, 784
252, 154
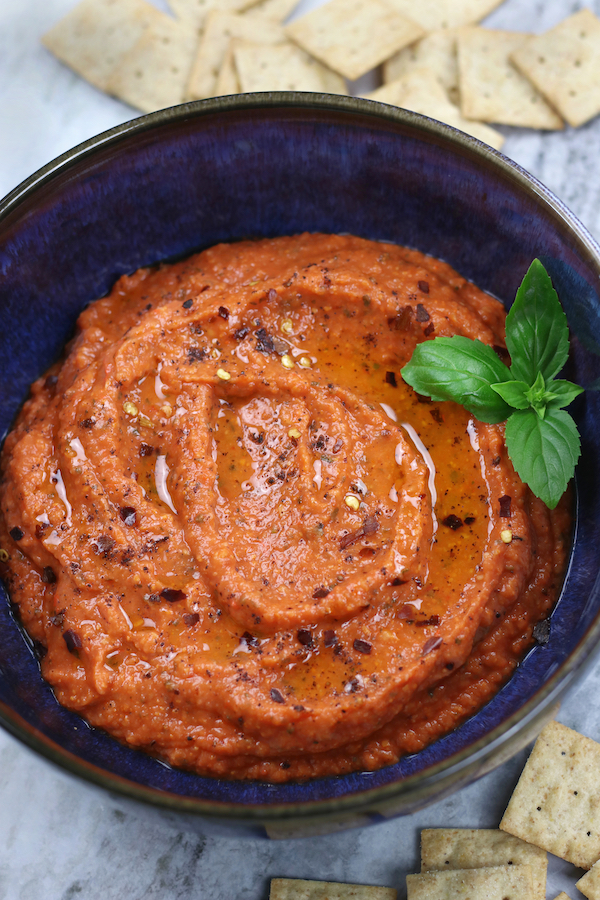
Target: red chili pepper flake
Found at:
284, 764
187, 304
501, 352
396, 582
87, 423
423, 286
437, 416
264, 341
272, 295
48, 575
505, 504
305, 637
352, 686
496, 461
277, 696
51, 381
452, 522
406, 612
128, 515
469, 520
16, 533
146, 450
426, 623
390, 378
449, 666
338, 446
403, 320
73, 641
104, 545
422, 315
223, 312
172, 595
362, 646
429, 330
432, 644
241, 333
320, 592
250, 639
197, 354
330, 638
191, 618
369, 526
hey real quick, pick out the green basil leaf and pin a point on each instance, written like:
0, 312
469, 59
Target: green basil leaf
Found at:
561, 393
537, 335
457, 368
513, 392
543, 451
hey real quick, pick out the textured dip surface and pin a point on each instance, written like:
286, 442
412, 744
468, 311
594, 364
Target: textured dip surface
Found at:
241, 542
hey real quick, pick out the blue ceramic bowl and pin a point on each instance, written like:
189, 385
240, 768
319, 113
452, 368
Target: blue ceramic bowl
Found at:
180, 180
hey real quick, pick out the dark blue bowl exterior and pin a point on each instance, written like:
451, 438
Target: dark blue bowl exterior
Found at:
175, 183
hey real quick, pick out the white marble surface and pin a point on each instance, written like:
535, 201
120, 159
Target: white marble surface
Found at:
59, 838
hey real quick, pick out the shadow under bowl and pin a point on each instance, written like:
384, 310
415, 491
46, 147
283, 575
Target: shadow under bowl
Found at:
168, 184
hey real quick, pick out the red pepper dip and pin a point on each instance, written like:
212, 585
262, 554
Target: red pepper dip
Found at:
243, 543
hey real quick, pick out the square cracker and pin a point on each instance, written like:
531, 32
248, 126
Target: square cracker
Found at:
495, 883
282, 67
194, 12
354, 36
154, 74
421, 92
564, 65
214, 44
589, 885
437, 52
475, 848
94, 37
434, 14
491, 88
556, 803
298, 889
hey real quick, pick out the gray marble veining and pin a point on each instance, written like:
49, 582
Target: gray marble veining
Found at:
61, 839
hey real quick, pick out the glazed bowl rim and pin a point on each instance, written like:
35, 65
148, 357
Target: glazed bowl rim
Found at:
484, 749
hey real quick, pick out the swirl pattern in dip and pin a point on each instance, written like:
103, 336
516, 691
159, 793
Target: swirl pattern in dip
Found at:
241, 542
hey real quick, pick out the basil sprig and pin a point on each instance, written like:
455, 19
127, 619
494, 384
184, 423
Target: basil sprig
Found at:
541, 438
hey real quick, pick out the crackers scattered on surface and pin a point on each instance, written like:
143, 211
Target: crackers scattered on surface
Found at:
96, 35
215, 43
297, 889
491, 88
589, 885
285, 67
354, 36
434, 14
494, 883
155, 72
444, 849
556, 803
564, 65
421, 92
436, 52
436, 60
